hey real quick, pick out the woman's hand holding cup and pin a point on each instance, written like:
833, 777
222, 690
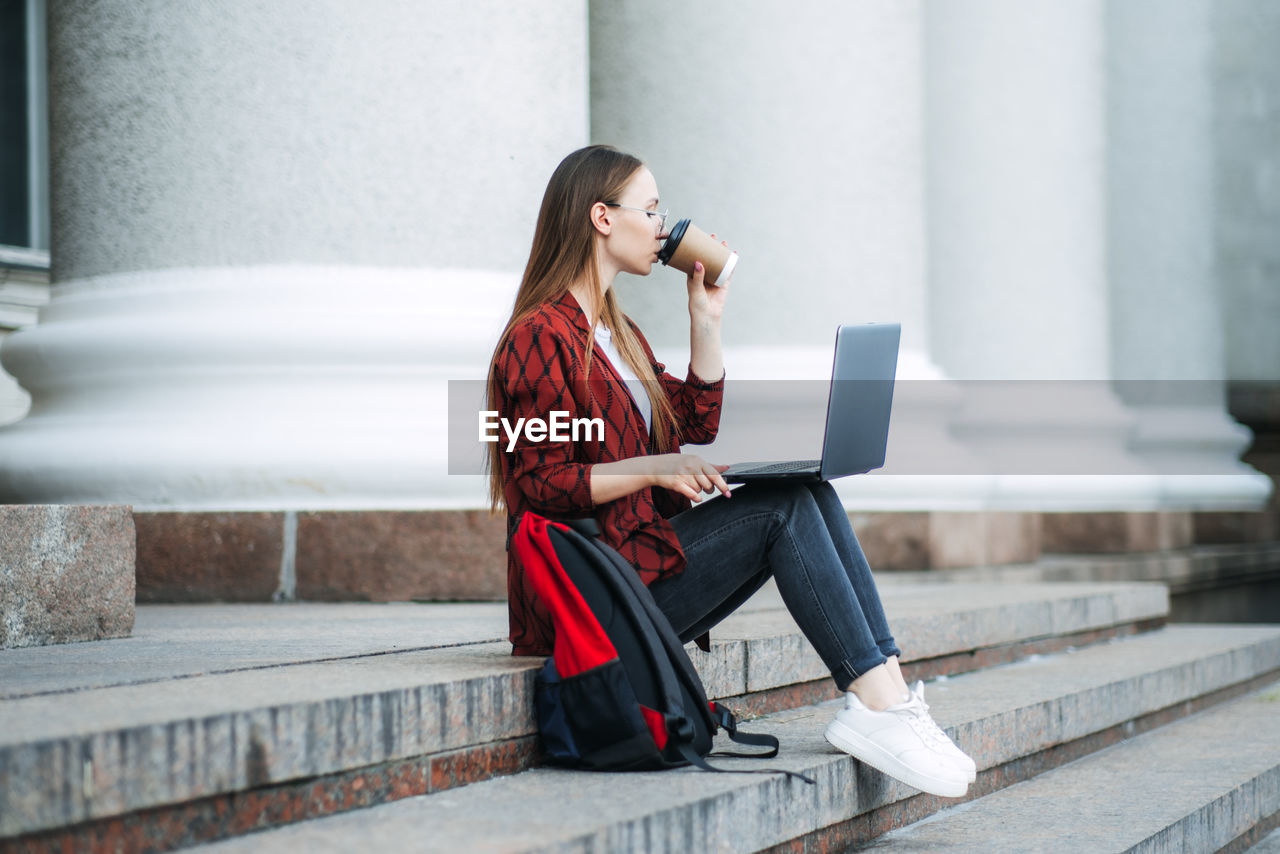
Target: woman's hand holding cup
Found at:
705, 300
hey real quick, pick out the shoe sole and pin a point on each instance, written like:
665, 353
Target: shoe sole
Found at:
870, 753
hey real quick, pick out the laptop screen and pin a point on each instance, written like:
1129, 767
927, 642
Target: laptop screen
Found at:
861, 398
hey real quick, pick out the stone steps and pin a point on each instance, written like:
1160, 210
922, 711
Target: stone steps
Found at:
1017, 720
1199, 784
213, 720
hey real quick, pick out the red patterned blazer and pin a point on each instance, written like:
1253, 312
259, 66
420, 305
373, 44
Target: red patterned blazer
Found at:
541, 369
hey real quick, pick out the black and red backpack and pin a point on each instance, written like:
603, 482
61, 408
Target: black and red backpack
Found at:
619, 692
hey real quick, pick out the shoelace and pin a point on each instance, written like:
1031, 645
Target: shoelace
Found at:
917, 717
922, 722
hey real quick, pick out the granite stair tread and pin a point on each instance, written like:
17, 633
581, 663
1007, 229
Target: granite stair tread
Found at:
211, 700
1197, 784
1269, 844
183, 641
1001, 715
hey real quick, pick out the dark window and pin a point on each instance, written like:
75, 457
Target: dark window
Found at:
24, 134
15, 129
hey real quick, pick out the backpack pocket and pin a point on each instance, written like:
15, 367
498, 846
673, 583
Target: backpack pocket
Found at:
593, 720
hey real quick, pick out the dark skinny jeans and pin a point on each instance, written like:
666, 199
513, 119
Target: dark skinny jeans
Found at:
800, 535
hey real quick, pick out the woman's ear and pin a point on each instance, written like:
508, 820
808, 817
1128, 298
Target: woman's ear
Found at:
601, 218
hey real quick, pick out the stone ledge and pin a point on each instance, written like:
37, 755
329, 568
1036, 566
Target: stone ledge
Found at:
362, 556
66, 573
1107, 533
1224, 528
1182, 571
459, 555
209, 557
942, 540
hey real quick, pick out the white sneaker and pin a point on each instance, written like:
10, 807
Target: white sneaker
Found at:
899, 742
940, 739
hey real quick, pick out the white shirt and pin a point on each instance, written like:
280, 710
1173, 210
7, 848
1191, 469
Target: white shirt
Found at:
604, 338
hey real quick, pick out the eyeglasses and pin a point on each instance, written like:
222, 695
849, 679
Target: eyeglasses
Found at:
660, 216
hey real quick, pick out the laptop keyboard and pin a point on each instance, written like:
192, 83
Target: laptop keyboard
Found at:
775, 468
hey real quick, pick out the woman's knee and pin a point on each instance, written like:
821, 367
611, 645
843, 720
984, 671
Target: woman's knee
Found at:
824, 494
784, 500
820, 487
798, 494
795, 504
800, 511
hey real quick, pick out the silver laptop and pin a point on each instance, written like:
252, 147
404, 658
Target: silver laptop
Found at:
858, 406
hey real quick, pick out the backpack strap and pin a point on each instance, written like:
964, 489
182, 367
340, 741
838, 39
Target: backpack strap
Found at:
726, 721
655, 631
691, 756
729, 724
678, 661
587, 526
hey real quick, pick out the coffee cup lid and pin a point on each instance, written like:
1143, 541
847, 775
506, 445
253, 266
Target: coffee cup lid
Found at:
725, 273
673, 241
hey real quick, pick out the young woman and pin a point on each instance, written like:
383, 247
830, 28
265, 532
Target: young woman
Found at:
569, 348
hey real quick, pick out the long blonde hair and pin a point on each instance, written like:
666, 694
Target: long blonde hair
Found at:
564, 253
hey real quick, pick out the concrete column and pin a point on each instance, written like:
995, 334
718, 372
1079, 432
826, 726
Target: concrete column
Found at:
1246, 87
278, 229
1168, 349
798, 137
1017, 247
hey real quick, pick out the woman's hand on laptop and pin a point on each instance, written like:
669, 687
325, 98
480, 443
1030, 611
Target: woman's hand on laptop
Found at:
688, 474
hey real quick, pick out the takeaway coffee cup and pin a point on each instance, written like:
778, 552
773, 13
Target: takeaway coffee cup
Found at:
688, 243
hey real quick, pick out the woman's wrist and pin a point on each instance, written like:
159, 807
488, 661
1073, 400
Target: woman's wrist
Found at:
611, 481
704, 321
642, 467
706, 358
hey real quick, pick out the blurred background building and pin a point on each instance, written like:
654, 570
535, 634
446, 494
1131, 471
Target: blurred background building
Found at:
261, 237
